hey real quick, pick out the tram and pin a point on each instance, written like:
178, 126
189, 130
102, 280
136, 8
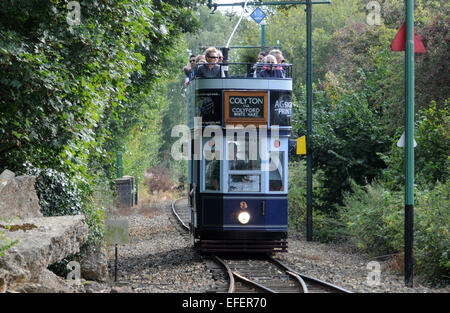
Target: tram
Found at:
238, 162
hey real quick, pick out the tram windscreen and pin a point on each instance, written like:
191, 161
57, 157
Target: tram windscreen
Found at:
244, 183
244, 155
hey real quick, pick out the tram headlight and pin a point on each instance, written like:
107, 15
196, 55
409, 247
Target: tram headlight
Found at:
243, 217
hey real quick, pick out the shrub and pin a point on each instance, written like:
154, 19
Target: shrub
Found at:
375, 219
326, 228
60, 194
432, 232
431, 159
159, 178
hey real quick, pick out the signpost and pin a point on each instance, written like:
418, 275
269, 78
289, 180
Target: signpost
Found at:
409, 150
406, 40
258, 16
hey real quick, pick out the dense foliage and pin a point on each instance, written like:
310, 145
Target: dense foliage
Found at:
70, 92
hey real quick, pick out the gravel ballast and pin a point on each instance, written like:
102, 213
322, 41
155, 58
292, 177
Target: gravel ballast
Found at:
160, 259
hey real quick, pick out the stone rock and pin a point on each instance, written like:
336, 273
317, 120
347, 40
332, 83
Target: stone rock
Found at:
49, 241
18, 197
94, 265
48, 282
121, 290
5, 177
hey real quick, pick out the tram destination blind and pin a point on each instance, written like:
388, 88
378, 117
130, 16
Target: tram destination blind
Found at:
246, 107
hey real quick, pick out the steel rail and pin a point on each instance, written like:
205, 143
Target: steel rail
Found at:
314, 280
176, 214
231, 287
232, 274
253, 283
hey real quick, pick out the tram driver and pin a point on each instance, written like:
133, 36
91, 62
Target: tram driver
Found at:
212, 175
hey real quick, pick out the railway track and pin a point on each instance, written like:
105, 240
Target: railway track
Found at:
268, 275
182, 213
257, 273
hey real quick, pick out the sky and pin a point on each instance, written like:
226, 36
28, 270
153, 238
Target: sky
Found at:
237, 9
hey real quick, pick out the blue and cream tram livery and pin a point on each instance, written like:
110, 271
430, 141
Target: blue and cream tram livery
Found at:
238, 164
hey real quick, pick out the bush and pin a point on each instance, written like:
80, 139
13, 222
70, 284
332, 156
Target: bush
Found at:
431, 159
432, 232
326, 228
60, 195
375, 219
346, 137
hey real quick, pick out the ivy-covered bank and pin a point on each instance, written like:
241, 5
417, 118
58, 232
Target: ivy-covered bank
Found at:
70, 89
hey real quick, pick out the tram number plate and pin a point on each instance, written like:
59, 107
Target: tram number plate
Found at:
246, 107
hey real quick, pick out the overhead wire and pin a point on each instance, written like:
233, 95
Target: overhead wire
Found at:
237, 25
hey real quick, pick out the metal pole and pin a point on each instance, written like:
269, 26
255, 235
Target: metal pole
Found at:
115, 264
263, 35
119, 164
309, 185
409, 136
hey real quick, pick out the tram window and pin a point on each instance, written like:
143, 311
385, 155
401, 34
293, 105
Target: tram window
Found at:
276, 176
241, 158
244, 183
212, 175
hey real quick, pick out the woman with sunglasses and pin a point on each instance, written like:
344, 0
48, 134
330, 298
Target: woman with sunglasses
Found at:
270, 69
210, 69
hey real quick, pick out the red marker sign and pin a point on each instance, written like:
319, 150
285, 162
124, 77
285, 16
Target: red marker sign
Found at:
398, 44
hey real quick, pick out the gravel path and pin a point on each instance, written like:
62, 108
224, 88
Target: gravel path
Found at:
159, 259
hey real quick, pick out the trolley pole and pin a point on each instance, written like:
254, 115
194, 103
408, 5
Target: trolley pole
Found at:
409, 143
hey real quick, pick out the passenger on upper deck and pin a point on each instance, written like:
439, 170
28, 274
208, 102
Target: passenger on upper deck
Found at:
257, 67
200, 59
210, 70
280, 59
271, 70
278, 55
223, 68
188, 68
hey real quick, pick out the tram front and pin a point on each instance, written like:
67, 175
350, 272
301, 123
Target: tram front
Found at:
238, 164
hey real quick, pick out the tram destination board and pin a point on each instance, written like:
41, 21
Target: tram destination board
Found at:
246, 107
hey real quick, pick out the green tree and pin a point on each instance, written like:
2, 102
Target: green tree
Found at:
68, 93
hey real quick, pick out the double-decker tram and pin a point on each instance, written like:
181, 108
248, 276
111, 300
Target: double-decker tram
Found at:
238, 161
